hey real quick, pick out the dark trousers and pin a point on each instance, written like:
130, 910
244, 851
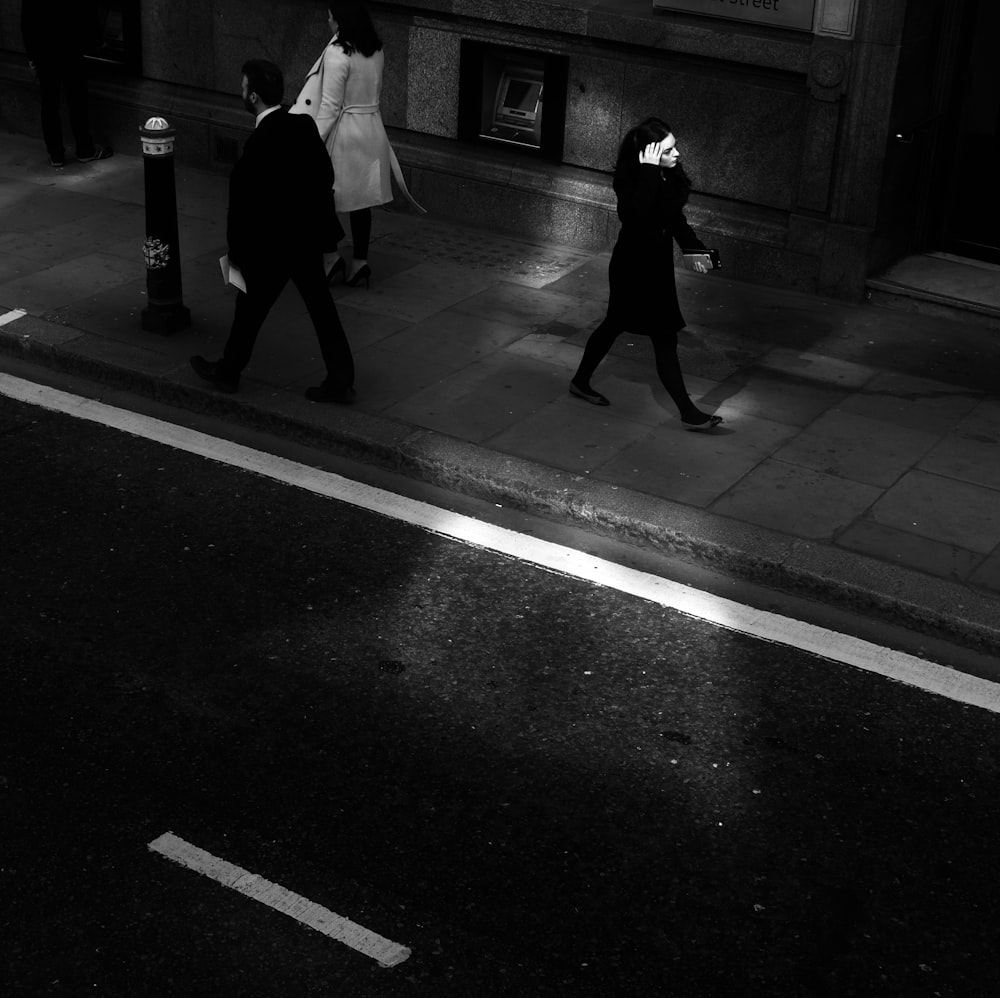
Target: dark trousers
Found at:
263, 288
57, 75
668, 367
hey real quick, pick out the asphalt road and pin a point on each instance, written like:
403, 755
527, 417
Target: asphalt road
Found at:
540, 786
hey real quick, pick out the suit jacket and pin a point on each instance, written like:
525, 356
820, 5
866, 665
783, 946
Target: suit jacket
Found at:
281, 195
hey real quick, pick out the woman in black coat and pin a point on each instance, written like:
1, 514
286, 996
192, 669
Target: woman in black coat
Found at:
652, 190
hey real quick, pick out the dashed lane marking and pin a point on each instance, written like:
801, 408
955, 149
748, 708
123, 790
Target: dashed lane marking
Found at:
820, 641
384, 951
14, 313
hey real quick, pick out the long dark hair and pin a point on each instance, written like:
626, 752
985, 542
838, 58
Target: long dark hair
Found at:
355, 29
627, 167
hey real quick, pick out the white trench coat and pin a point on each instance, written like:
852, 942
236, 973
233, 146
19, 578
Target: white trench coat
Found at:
341, 94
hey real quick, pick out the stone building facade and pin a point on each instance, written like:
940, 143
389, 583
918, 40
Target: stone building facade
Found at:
816, 131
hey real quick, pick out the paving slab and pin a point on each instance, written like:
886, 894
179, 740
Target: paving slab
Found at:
970, 452
818, 367
115, 312
66, 282
475, 404
627, 386
41, 206
755, 391
796, 500
552, 348
422, 290
943, 509
902, 547
453, 339
588, 280
14, 266
694, 467
516, 305
101, 228
562, 435
389, 376
516, 260
987, 575
854, 447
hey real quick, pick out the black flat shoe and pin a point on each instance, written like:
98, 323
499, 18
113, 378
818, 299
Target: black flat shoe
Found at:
364, 274
327, 393
703, 421
338, 268
209, 370
100, 152
588, 395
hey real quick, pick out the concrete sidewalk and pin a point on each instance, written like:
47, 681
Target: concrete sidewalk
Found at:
859, 460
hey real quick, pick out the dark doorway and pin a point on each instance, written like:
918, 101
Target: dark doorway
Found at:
939, 188
969, 220
911, 190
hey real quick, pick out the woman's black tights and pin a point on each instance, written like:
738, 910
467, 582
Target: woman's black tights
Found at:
667, 365
361, 232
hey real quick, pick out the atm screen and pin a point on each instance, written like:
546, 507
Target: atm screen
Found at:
522, 95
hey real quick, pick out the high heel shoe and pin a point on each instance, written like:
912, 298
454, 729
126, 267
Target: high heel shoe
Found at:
364, 274
338, 268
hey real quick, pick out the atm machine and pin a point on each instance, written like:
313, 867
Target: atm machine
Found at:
517, 108
502, 98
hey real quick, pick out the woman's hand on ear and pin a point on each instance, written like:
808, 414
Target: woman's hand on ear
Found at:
651, 154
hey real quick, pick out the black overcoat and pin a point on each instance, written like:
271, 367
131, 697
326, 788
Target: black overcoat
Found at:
643, 295
281, 195
56, 29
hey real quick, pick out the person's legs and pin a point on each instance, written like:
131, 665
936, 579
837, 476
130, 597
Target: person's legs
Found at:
251, 310
361, 233
333, 232
668, 368
50, 83
598, 345
78, 97
310, 281
333, 264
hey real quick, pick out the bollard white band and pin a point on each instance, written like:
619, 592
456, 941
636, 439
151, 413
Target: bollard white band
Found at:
384, 951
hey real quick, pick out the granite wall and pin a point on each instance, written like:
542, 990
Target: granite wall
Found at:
780, 130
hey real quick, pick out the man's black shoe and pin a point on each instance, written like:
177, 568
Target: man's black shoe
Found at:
209, 370
327, 393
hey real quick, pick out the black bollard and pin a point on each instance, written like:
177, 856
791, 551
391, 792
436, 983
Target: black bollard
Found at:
165, 311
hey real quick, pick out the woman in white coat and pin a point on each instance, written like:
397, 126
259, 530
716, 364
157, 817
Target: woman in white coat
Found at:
341, 94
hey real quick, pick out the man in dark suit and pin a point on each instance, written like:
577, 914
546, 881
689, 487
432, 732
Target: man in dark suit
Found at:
281, 218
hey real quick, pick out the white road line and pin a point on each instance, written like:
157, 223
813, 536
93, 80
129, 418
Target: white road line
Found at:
384, 951
820, 641
15, 313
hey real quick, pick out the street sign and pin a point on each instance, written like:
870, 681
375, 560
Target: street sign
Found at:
775, 13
